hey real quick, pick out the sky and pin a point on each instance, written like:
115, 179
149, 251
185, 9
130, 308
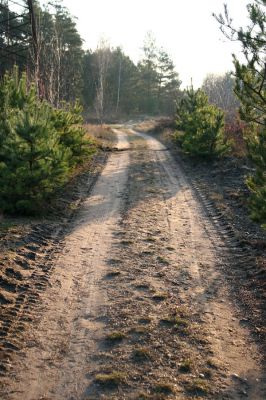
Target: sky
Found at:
185, 28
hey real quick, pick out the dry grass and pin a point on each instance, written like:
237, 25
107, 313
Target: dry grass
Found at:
145, 321
186, 366
164, 388
162, 260
102, 134
112, 274
160, 296
115, 337
198, 387
112, 379
141, 354
139, 330
153, 125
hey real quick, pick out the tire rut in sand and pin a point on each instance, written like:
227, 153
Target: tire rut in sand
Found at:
179, 332
58, 351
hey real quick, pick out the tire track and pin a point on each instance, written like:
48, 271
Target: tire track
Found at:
58, 352
207, 277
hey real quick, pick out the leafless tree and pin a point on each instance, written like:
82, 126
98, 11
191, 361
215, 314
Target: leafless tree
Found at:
103, 56
220, 90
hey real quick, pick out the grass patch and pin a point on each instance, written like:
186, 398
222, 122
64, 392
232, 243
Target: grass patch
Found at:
150, 240
114, 261
163, 260
102, 134
164, 388
160, 296
112, 379
167, 321
113, 274
139, 330
146, 253
143, 396
175, 321
116, 336
141, 354
170, 248
142, 286
211, 363
198, 387
181, 322
186, 366
215, 196
126, 242
7, 225
145, 321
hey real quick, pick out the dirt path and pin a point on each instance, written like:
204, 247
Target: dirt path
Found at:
138, 306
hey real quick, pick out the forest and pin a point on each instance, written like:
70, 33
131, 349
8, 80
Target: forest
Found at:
106, 81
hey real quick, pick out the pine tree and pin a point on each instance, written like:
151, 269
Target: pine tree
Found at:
39, 146
148, 76
257, 182
33, 163
168, 83
251, 91
68, 123
200, 125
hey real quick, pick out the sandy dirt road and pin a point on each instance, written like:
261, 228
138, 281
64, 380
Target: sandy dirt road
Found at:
138, 305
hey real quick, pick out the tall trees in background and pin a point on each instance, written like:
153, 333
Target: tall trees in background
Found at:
220, 91
106, 80
113, 85
59, 50
60, 47
13, 39
102, 58
110, 80
159, 82
148, 82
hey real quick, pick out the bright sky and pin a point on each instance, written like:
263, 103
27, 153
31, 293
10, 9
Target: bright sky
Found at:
185, 28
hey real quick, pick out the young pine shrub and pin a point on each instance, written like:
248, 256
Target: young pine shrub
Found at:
256, 140
39, 147
67, 121
33, 164
200, 125
250, 88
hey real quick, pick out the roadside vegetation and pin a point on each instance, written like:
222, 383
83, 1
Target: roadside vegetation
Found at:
250, 89
240, 101
40, 146
200, 125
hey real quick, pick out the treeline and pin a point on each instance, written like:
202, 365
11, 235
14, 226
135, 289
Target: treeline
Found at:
114, 85
105, 80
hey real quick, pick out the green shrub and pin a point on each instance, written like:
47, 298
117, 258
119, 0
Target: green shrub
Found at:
200, 125
256, 140
250, 88
67, 121
39, 146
